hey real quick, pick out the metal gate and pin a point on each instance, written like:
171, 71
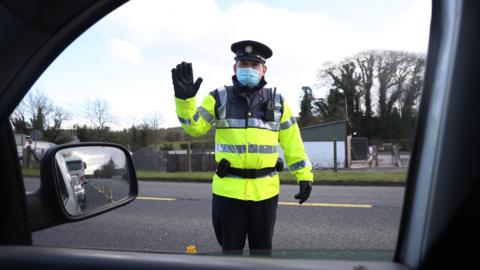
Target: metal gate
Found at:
359, 148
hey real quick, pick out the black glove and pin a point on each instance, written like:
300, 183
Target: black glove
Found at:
305, 189
183, 85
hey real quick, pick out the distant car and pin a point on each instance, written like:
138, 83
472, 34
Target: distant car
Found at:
79, 190
77, 167
72, 191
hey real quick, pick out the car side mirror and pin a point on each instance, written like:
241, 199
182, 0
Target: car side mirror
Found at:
70, 191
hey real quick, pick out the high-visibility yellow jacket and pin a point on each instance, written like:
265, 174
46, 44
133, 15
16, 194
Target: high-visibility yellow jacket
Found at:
245, 139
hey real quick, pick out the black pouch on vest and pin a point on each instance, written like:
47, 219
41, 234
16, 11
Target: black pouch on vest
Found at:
222, 168
270, 109
279, 165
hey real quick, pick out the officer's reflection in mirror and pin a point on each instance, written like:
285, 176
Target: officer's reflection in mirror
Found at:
93, 176
250, 120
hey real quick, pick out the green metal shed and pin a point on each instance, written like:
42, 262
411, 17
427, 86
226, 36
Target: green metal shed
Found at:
322, 140
336, 130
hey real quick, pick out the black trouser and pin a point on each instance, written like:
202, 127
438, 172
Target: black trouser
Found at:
234, 220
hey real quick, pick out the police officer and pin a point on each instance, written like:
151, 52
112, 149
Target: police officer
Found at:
250, 120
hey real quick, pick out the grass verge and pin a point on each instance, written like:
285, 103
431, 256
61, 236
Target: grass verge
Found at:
324, 177
346, 177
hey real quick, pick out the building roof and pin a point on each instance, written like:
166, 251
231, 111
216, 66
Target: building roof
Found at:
335, 130
324, 124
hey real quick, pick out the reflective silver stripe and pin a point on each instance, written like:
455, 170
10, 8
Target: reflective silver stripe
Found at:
222, 109
300, 165
240, 149
230, 148
288, 123
278, 101
184, 121
200, 112
278, 116
231, 123
205, 114
196, 116
259, 123
278, 107
262, 149
252, 122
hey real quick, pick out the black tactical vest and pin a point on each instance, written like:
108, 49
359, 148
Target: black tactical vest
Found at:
238, 109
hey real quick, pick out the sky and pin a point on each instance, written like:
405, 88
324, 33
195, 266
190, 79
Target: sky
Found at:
95, 157
127, 57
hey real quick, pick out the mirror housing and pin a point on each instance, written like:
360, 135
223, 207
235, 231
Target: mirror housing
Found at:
63, 193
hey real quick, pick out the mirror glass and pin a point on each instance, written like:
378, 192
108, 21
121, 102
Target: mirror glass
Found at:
92, 177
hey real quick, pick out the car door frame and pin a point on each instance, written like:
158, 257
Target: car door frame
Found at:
432, 201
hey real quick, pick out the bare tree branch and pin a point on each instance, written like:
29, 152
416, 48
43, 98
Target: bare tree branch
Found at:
98, 113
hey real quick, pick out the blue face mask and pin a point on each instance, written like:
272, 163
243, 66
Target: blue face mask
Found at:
248, 77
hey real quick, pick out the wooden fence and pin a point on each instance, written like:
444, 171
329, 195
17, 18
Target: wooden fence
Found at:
203, 162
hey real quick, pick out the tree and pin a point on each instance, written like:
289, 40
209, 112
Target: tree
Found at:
395, 77
37, 112
58, 115
39, 107
106, 170
140, 136
54, 133
83, 133
345, 78
174, 134
166, 147
332, 108
19, 120
98, 113
400, 76
153, 121
306, 108
366, 62
408, 101
145, 134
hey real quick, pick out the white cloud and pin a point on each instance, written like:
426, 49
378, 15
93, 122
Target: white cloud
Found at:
125, 50
169, 32
410, 32
202, 34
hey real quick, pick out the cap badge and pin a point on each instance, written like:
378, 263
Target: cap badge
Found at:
248, 49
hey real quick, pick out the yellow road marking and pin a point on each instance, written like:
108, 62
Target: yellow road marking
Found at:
156, 199
281, 203
327, 205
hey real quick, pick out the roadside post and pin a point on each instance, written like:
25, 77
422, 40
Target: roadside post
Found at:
335, 169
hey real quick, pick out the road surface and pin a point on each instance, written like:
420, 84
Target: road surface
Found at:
168, 216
